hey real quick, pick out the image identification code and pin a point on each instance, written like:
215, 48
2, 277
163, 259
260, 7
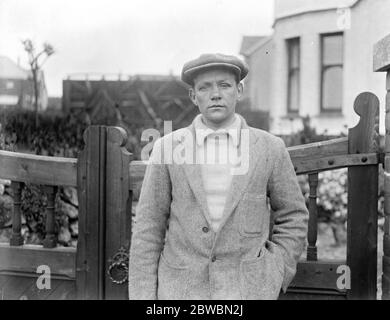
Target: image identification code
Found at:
196, 309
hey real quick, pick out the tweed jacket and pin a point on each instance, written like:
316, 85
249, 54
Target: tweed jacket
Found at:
174, 252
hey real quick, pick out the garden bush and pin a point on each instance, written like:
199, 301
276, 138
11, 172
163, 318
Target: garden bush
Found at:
57, 135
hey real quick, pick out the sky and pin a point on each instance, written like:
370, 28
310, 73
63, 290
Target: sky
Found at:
127, 37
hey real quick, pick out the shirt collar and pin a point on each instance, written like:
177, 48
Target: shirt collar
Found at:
202, 131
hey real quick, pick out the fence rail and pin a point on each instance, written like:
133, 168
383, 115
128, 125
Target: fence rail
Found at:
28, 168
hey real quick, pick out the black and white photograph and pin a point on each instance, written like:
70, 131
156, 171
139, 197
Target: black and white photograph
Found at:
201, 152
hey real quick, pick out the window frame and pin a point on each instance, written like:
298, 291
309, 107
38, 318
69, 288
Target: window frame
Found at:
290, 70
325, 67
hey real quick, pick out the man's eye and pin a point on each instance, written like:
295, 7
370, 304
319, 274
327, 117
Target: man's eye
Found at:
225, 85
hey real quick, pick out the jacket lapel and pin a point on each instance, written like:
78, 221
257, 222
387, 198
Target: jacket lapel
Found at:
194, 175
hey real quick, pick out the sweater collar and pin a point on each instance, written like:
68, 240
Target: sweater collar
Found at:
202, 131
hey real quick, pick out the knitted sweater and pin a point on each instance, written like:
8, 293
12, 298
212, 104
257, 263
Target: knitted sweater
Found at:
216, 150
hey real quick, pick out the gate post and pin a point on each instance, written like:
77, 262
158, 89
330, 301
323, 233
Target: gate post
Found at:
382, 64
362, 225
118, 214
90, 188
104, 215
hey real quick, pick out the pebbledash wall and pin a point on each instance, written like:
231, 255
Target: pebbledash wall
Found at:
362, 23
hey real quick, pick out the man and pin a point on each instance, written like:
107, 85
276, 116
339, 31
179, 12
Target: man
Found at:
202, 227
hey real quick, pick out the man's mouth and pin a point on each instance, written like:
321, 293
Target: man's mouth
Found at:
216, 107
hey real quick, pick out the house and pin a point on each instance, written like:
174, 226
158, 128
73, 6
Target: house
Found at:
318, 59
256, 51
17, 88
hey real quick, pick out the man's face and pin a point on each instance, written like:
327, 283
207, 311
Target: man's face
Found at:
215, 93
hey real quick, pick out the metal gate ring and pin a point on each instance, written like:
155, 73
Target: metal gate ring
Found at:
118, 265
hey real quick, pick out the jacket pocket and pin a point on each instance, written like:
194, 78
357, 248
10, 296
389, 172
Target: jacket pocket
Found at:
260, 278
254, 210
275, 251
172, 280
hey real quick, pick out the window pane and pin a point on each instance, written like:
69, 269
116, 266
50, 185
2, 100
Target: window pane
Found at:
332, 88
293, 91
332, 49
293, 74
293, 52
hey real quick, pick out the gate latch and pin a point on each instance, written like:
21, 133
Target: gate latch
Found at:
118, 269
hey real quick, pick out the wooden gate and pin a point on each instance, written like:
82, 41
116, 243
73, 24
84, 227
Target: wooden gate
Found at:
359, 152
106, 225
105, 215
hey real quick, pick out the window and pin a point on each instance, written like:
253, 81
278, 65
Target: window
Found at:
331, 72
293, 47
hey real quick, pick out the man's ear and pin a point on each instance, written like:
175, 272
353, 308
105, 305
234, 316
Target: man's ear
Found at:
240, 88
191, 94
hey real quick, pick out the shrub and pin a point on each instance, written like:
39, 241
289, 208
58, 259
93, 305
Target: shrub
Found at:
56, 136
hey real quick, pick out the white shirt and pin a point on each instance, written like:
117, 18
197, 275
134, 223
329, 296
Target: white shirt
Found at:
216, 151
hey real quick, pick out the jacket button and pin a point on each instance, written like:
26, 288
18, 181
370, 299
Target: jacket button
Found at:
205, 229
213, 259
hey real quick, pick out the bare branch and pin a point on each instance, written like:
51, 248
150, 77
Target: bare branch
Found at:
47, 50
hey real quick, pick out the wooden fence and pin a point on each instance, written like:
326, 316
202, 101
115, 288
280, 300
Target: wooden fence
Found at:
19, 262
105, 177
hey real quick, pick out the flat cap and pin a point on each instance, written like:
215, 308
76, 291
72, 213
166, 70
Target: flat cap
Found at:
213, 60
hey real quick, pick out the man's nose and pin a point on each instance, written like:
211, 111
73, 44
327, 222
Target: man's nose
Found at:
215, 94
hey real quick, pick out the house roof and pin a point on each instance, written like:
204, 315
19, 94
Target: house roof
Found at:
250, 44
10, 70
287, 8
